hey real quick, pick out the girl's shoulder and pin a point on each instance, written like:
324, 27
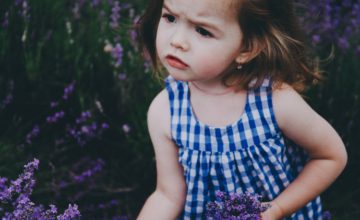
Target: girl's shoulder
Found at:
158, 115
289, 105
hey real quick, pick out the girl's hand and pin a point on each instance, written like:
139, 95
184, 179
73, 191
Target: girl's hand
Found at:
272, 213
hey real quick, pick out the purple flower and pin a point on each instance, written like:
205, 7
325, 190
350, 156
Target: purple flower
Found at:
96, 167
105, 125
235, 206
343, 43
331, 22
326, 215
115, 15
71, 212
17, 198
68, 90
84, 116
24, 8
122, 76
55, 117
33, 134
316, 38
117, 54
95, 3
53, 104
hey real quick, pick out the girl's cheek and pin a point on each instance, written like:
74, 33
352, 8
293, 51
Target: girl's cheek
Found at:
159, 46
159, 39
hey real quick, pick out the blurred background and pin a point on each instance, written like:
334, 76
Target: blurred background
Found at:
74, 92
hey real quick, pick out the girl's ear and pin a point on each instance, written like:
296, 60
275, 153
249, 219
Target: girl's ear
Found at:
243, 58
247, 56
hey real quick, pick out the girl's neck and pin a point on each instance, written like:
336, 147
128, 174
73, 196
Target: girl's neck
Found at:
212, 92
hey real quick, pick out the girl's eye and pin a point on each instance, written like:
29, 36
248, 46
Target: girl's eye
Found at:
169, 18
203, 32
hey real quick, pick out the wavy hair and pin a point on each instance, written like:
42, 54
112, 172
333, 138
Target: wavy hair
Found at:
271, 32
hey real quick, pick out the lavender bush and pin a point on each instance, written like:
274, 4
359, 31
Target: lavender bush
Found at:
15, 202
67, 98
332, 23
235, 206
74, 92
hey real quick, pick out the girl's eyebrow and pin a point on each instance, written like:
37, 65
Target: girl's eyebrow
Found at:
200, 23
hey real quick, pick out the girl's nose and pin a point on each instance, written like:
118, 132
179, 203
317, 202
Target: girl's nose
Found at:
179, 41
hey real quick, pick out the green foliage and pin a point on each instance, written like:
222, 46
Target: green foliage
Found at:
57, 44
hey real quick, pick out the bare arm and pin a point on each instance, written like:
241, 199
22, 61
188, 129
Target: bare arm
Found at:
327, 152
167, 201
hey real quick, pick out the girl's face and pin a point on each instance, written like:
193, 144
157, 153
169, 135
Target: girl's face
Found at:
198, 39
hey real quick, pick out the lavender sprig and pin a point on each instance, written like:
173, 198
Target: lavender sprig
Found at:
115, 15
245, 206
16, 203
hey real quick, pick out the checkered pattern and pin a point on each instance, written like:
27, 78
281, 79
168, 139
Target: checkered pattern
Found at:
248, 155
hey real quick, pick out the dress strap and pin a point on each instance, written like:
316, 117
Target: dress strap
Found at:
261, 105
177, 93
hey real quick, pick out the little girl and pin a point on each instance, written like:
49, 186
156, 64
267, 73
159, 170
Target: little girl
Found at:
231, 117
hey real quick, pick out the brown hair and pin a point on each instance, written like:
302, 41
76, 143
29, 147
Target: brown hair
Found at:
271, 32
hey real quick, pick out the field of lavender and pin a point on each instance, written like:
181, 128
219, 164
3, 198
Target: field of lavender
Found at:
74, 92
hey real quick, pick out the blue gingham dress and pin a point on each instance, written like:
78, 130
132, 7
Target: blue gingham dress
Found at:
248, 155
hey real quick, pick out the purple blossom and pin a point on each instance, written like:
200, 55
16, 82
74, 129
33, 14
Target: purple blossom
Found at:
32, 134
105, 125
115, 15
55, 117
24, 4
331, 22
84, 116
245, 206
95, 3
53, 104
3, 181
117, 54
68, 90
19, 205
316, 39
23, 184
133, 34
96, 167
343, 43
84, 130
122, 76
326, 215
71, 212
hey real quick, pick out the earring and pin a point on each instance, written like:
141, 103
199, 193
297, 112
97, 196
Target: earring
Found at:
239, 67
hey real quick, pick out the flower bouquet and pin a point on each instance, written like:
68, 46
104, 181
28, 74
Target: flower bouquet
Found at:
235, 206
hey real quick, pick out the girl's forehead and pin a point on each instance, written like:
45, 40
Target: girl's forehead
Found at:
203, 8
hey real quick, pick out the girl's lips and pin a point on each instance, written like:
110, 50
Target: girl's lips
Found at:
176, 62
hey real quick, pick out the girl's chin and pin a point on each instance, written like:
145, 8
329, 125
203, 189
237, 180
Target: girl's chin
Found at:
180, 77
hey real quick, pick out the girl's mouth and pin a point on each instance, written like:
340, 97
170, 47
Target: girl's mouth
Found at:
175, 62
